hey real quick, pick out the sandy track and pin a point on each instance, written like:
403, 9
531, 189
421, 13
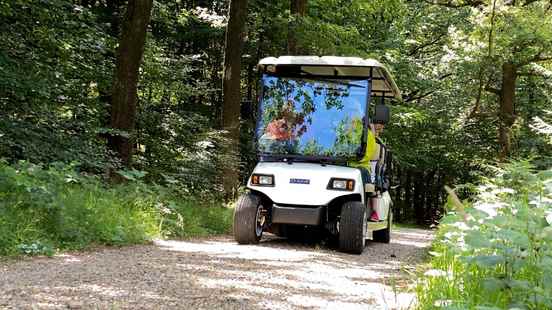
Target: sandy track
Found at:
217, 274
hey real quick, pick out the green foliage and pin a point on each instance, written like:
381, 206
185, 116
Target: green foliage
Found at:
57, 59
45, 209
54, 61
497, 253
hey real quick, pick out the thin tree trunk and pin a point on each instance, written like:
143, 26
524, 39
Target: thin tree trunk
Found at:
396, 194
438, 202
418, 202
507, 115
298, 9
408, 194
231, 87
124, 90
428, 191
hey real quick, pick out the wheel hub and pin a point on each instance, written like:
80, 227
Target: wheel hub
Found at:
260, 220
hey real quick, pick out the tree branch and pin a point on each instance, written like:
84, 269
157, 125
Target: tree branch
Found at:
493, 90
537, 58
418, 48
412, 96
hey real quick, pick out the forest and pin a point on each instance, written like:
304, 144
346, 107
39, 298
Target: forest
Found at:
121, 121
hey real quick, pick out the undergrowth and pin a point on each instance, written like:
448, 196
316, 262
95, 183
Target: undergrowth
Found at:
495, 253
46, 209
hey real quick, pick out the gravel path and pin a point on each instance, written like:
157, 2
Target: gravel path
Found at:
217, 274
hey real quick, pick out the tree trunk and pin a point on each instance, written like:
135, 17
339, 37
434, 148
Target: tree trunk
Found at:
418, 202
438, 202
408, 196
231, 87
396, 178
429, 194
124, 89
507, 115
298, 9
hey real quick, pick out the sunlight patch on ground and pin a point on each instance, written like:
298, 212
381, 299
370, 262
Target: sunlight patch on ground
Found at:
68, 258
406, 233
412, 239
249, 286
233, 250
412, 243
317, 302
318, 279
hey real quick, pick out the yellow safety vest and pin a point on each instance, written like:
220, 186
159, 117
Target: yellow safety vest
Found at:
371, 149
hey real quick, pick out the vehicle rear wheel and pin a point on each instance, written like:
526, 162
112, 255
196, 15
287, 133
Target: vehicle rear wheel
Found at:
384, 235
249, 219
352, 227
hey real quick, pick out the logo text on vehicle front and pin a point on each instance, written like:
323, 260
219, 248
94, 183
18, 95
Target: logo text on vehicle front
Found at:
299, 181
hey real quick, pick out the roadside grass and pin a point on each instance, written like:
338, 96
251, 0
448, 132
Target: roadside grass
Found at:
494, 253
46, 209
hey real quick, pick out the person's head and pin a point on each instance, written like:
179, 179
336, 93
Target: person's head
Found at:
378, 128
279, 129
282, 125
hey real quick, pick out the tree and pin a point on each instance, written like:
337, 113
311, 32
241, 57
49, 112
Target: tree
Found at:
124, 89
518, 35
231, 84
298, 9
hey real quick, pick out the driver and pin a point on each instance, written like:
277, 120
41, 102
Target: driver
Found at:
279, 133
279, 130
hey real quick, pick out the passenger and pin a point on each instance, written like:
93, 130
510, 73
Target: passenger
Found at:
376, 161
365, 163
368, 165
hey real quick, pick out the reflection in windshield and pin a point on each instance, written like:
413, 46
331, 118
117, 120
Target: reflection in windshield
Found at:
311, 117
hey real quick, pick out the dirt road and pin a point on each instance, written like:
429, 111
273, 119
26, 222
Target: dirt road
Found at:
217, 274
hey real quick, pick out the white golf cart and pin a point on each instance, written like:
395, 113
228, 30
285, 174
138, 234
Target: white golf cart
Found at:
313, 122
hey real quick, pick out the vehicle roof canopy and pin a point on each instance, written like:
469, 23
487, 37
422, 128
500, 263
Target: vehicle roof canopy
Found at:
334, 66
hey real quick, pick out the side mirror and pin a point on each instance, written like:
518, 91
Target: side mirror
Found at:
381, 114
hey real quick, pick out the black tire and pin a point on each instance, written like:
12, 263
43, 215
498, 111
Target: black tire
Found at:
245, 219
384, 235
352, 227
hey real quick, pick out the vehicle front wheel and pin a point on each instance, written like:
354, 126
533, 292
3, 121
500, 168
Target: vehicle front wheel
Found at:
352, 227
249, 219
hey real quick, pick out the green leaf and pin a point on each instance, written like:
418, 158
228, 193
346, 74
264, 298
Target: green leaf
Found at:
493, 285
523, 285
487, 261
477, 239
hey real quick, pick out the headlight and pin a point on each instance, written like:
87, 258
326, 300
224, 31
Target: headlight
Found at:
341, 184
262, 180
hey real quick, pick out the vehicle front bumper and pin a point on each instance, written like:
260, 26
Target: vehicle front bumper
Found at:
297, 215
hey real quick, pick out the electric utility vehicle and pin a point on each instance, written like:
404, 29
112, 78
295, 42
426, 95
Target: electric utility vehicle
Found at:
312, 126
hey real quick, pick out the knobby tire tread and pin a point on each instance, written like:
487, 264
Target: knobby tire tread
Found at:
351, 236
244, 219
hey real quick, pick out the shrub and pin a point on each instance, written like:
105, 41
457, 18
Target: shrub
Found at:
44, 209
496, 253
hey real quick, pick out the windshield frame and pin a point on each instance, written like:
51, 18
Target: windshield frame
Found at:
263, 156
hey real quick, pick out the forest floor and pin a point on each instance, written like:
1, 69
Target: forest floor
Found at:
216, 273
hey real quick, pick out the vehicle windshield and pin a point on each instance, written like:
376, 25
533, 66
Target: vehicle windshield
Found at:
311, 117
